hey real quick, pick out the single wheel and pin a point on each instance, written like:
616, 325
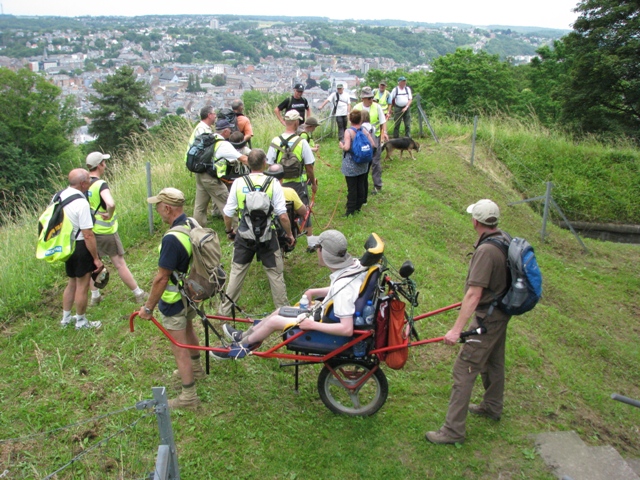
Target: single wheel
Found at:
347, 392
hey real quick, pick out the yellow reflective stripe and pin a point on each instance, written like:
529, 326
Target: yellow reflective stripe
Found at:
110, 223
171, 292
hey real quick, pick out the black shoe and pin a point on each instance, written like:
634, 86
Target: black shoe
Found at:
231, 333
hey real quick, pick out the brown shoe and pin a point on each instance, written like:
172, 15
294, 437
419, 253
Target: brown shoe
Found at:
441, 438
482, 412
182, 401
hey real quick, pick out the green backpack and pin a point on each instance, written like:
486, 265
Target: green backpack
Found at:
55, 242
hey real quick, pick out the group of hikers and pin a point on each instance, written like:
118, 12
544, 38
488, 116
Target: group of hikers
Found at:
282, 175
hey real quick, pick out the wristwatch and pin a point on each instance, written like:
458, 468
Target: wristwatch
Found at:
147, 310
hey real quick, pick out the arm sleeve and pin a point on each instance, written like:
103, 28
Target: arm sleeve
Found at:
279, 204
283, 104
226, 151
481, 268
307, 153
85, 222
231, 207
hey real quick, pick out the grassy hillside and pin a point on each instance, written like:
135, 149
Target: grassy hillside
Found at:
563, 359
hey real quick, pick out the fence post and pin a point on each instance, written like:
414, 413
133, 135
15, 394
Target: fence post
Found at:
473, 140
545, 215
149, 194
167, 459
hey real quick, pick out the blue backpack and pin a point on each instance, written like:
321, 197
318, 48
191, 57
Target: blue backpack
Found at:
525, 282
361, 150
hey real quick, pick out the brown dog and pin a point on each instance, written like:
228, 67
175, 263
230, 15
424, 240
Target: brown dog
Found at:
402, 144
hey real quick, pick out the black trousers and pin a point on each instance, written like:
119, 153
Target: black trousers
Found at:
342, 126
356, 193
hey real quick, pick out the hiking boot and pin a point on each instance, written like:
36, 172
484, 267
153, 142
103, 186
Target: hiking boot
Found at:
441, 438
482, 412
231, 333
140, 299
184, 401
88, 325
198, 371
95, 301
65, 322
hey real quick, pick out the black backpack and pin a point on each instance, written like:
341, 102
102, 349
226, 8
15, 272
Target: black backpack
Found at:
291, 164
255, 221
230, 116
200, 154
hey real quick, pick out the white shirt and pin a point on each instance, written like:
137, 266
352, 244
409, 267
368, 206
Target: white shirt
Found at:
225, 150
277, 197
401, 96
345, 291
307, 153
343, 102
78, 211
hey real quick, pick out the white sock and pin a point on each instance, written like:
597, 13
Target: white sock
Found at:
66, 315
80, 319
95, 293
137, 291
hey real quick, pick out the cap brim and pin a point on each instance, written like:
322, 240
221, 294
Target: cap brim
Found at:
153, 200
313, 241
470, 208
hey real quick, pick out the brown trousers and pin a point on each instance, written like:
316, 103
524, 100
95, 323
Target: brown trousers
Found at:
483, 355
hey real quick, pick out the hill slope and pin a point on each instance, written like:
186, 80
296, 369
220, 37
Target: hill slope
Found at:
563, 359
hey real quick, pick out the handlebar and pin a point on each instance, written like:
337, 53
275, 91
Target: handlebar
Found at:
474, 331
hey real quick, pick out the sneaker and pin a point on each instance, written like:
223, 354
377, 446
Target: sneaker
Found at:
231, 333
482, 412
218, 356
183, 402
441, 438
140, 299
64, 323
95, 301
88, 325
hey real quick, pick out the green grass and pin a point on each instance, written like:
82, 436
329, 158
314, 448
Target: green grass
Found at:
564, 359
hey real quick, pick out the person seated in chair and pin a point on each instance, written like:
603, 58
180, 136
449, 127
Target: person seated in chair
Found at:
346, 279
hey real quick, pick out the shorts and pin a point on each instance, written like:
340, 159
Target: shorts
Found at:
179, 321
80, 262
109, 245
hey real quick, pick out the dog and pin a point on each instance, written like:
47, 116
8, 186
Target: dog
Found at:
402, 144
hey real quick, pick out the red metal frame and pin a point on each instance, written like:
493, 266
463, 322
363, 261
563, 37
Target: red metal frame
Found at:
273, 351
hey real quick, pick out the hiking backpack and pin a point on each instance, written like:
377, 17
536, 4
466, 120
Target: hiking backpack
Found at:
230, 116
55, 240
361, 150
291, 164
255, 221
524, 279
206, 276
200, 154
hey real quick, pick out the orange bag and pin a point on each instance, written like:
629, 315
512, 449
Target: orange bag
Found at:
398, 335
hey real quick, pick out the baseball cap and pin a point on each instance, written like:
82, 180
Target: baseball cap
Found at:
299, 87
382, 82
100, 277
334, 248
170, 196
222, 124
340, 85
292, 115
485, 211
366, 92
95, 158
402, 79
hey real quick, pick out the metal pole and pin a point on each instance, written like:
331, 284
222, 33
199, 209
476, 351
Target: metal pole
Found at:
149, 194
166, 431
473, 140
575, 234
545, 215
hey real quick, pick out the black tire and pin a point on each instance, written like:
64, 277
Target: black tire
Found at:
364, 401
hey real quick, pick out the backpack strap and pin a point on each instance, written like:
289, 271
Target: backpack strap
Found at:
249, 183
502, 244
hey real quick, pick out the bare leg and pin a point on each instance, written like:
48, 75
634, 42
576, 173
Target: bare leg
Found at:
82, 288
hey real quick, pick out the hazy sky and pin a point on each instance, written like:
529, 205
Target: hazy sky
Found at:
538, 13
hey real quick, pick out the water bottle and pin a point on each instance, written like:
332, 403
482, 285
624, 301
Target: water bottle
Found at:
359, 349
304, 303
519, 292
359, 321
368, 313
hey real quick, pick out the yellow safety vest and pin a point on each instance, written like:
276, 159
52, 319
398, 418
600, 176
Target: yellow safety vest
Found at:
242, 189
101, 227
297, 152
373, 116
382, 98
171, 292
